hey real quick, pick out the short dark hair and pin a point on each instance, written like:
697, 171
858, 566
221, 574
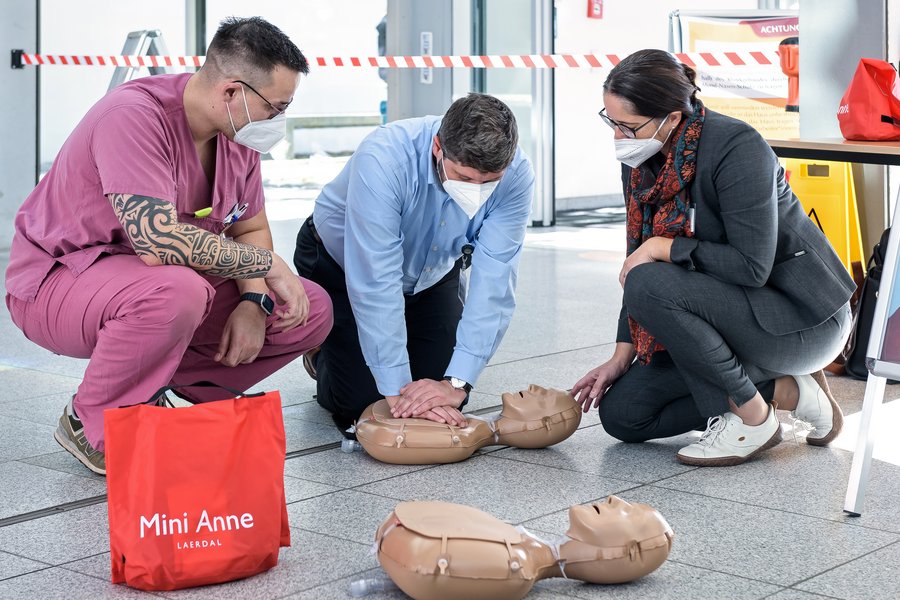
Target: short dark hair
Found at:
654, 82
255, 43
479, 131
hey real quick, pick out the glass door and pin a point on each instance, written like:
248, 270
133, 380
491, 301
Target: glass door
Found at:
516, 27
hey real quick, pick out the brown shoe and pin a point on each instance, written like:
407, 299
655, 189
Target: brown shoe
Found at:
70, 435
309, 363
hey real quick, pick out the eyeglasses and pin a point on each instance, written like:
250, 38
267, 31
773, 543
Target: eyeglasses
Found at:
277, 110
629, 132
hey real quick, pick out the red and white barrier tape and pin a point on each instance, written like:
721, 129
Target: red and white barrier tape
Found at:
517, 61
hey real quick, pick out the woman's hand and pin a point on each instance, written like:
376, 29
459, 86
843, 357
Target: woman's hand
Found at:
590, 389
653, 250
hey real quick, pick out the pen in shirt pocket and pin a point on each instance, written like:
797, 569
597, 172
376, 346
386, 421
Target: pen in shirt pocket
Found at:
235, 213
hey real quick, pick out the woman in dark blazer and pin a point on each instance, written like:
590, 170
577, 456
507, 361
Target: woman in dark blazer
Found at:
733, 299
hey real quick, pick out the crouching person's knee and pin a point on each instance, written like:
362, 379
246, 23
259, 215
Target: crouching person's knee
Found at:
616, 422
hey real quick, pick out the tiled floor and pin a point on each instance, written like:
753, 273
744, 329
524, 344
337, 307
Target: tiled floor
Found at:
772, 528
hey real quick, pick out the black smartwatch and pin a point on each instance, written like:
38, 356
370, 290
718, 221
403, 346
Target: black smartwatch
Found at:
262, 300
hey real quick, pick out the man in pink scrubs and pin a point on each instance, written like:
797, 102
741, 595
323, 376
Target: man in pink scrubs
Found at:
146, 246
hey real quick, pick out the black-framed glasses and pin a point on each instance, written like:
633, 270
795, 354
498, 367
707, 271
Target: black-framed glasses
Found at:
629, 132
266, 100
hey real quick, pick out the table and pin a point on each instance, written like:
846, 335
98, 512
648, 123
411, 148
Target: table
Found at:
877, 153
838, 149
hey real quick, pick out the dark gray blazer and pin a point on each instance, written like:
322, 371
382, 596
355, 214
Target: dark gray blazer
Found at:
751, 231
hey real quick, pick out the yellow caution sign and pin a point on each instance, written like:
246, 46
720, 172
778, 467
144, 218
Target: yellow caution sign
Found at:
826, 191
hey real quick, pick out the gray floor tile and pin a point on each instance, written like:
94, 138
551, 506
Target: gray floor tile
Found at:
26, 488
339, 590
344, 470
758, 543
24, 439
850, 392
592, 450
883, 432
582, 315
672, 580
306, 434
66, 463
292, 382
18, 384
871, 577
792, 594
479, 400
13, 566
59, 538
301, 489
509, 490
309, 411
29, 356
801, 479
560, 371
98, 566
62, 584
44, 410
503, 356
311, 561
348, 514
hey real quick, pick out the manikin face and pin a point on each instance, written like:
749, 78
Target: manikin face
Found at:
540, 400
614, 523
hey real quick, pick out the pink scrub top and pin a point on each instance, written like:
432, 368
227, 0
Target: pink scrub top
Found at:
135, 140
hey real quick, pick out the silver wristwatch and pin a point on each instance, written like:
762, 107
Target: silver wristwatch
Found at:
459, 384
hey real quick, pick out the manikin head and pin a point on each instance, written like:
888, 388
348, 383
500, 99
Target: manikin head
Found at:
247, 82
615, 541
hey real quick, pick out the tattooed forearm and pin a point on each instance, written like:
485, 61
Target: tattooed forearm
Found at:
154, 231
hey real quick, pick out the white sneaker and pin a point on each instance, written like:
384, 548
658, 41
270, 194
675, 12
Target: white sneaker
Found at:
727, 441
818, 407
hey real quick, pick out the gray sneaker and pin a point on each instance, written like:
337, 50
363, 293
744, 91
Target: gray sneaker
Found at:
70, 435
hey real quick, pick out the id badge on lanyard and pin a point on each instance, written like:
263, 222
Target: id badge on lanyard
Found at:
465, 271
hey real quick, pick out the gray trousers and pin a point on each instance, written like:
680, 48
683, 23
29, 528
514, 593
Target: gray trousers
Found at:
715, 350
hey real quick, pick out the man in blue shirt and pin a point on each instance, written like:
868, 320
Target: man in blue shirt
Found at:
417, 243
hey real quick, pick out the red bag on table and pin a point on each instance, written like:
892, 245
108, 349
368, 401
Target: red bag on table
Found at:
870, 108
196, 494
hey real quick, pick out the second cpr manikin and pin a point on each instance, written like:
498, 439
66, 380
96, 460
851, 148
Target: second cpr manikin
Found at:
439, 551
534, 418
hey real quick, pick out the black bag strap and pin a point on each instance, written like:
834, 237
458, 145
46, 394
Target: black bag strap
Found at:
880, 249
205, 384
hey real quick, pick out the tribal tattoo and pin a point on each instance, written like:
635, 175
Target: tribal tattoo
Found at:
153, 228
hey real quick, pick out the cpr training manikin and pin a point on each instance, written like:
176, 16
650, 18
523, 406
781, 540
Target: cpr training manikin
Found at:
438, 550
534, 418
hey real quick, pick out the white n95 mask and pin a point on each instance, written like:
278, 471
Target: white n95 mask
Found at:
635, 152
468, 196
258, 135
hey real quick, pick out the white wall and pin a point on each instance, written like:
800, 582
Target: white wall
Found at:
585, 161
322, 28
91, 27
319, 28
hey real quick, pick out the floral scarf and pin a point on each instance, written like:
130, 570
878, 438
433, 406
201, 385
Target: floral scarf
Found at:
659, 207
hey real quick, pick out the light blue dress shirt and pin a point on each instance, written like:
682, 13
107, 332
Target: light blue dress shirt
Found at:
388, 222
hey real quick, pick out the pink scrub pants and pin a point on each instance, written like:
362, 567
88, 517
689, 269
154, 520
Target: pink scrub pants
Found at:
147, 327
